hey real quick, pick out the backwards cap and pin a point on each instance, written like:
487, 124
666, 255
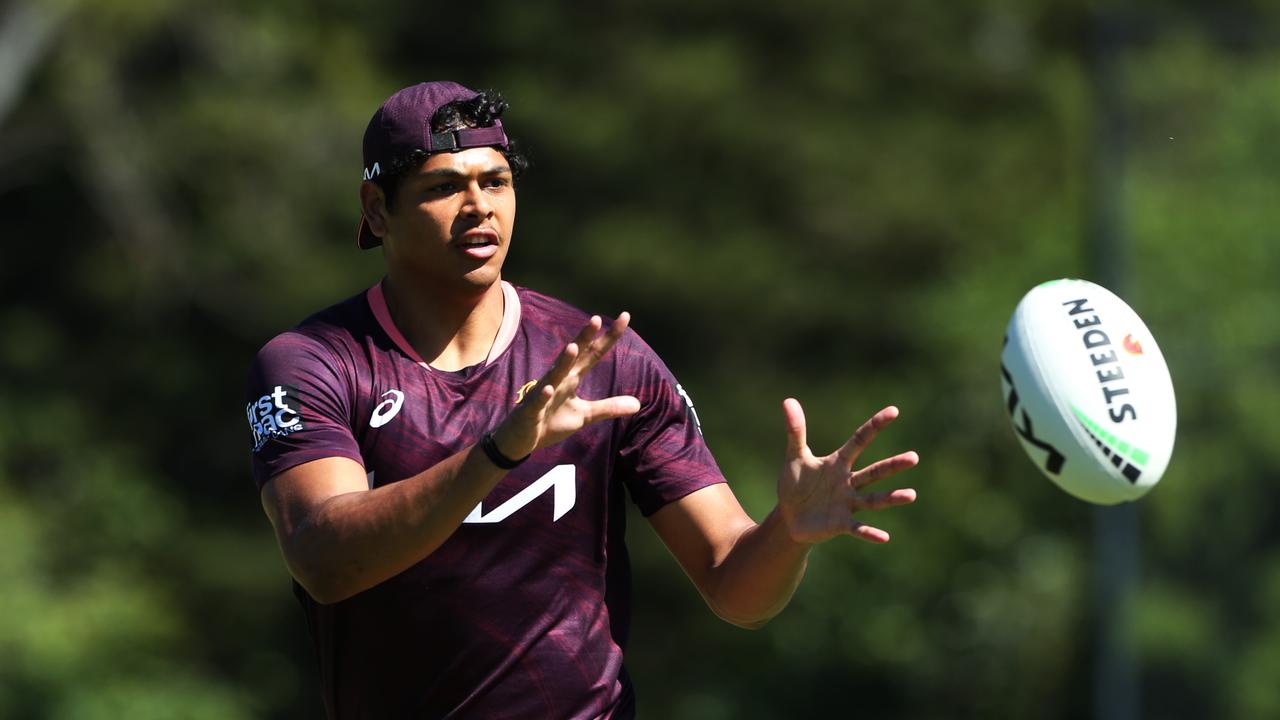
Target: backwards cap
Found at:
403, 124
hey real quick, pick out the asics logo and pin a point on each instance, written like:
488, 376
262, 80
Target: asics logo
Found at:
387, 409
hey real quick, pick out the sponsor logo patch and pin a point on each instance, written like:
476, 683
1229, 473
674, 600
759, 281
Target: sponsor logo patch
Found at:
561, 480
274, 415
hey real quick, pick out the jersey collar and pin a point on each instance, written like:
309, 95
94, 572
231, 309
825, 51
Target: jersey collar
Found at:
506, 331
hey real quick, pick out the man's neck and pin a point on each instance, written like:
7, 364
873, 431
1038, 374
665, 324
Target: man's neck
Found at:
449, 331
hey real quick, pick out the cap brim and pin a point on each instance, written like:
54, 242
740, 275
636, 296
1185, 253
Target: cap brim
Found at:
365, 238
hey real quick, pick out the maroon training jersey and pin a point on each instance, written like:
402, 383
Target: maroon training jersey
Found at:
523, 612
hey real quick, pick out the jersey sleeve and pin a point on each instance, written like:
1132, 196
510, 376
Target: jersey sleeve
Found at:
298, 407
664, 456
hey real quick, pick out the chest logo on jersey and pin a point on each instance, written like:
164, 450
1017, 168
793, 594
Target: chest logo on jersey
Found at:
274, 415
525, 389
561, 480
386, 409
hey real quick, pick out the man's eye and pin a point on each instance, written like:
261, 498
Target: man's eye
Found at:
443, 188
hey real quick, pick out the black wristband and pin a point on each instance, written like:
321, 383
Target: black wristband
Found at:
495, 455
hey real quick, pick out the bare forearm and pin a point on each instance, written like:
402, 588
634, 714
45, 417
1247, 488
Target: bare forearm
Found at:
758, 576
340, 538
747, 572
356, 540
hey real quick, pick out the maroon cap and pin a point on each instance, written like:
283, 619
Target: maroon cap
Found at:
403, 124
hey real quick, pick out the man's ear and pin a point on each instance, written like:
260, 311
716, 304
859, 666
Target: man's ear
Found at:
373, 202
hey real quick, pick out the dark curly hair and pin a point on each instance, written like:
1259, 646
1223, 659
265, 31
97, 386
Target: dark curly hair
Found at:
479, 111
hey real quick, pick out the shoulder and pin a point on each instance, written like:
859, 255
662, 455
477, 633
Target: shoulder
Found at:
548, 315
322, 345
541, 312
333, 327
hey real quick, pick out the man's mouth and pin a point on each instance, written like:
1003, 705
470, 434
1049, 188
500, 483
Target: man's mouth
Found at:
478, 236
479, 244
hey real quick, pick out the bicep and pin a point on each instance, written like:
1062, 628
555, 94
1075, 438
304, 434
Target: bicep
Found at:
700, 529
291, 497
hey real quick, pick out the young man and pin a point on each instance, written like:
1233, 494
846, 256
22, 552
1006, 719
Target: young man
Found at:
443, 458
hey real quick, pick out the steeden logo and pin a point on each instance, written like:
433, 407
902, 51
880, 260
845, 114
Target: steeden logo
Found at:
386, 409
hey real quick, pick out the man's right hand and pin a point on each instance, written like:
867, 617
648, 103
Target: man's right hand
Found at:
552, 411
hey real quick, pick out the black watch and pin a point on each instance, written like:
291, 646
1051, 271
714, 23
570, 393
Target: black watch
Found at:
495, 455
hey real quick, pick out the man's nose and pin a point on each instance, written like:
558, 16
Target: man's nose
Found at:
477, 202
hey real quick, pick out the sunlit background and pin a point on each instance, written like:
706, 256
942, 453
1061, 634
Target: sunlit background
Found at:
838, 201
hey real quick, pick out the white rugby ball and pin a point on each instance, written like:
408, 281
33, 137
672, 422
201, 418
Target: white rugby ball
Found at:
1088, 391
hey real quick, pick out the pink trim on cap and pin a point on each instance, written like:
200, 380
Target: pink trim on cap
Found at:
506, 331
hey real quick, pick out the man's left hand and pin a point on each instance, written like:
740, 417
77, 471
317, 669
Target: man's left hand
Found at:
817, 496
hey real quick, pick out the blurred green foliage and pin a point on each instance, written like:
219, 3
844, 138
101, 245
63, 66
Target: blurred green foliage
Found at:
837, 201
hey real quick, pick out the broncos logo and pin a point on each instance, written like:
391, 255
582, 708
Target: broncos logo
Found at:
524, 389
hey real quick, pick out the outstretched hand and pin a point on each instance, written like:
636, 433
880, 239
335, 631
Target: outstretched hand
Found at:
552, 411
817, 496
